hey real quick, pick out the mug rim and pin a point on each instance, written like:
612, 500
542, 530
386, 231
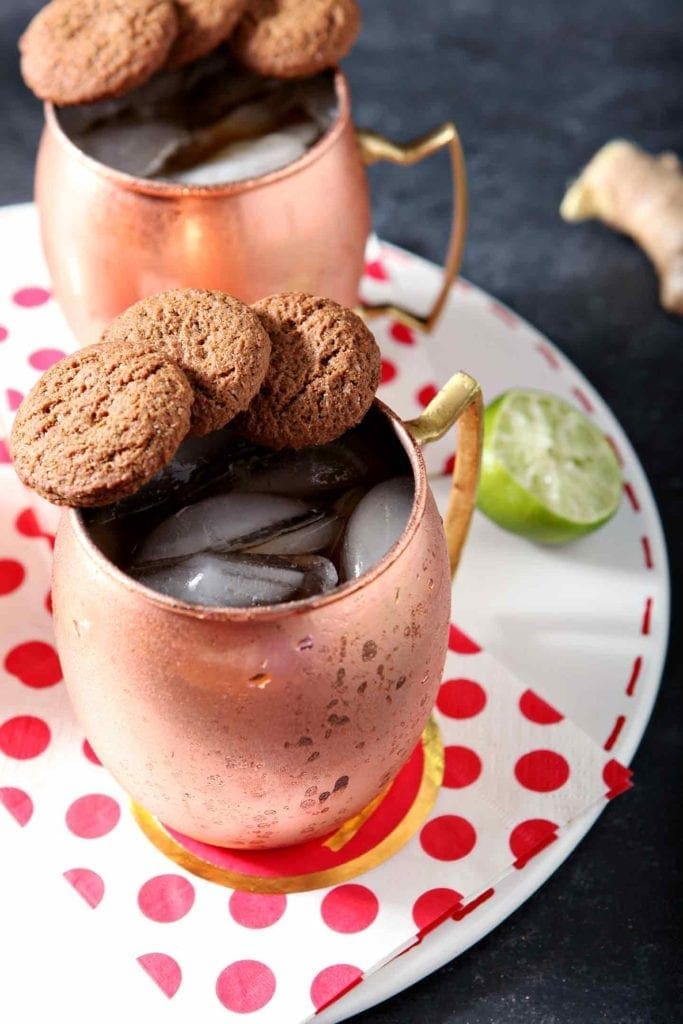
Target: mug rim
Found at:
268, 612
175, 190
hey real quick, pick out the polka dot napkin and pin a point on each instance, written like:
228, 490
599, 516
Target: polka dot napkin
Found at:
516, 773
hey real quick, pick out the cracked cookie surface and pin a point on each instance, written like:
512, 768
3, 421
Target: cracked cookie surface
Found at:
202, 25
293, 38
99, 424
218, 342
80, 51
323, 374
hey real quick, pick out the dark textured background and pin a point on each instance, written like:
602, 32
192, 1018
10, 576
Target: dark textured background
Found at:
536, 87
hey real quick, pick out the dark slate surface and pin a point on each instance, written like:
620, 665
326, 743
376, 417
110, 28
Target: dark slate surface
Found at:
535, 87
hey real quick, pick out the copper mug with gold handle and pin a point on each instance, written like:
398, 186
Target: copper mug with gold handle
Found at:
217, 720
110, 239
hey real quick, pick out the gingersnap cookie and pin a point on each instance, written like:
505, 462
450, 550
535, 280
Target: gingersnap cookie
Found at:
202, 25
79, 51
323, 374
216, 340
99, 424
293, 38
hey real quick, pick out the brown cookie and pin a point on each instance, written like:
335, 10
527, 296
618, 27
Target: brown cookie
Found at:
79, 51
99, 424
216, 340
324, 371
202, 25
293, 38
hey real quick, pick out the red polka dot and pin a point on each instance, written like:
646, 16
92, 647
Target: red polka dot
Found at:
462, 767
460, 643
18, 803
27, 525
28, 297
48, 602
435, 905
14, 399
473, 904
375, 269
332, 983
449, 837
87, 884
163, 970
401, 333
90, 753
256, 910
461, 698
92, 816
542, 771
245, 986
24, 737
617, 778
44, 358
349, 908
503, 313
449, 465
166, 898
12, 575
4, 452
536, 710
35, 664
530, 837
425, 394
3, 333
389, 371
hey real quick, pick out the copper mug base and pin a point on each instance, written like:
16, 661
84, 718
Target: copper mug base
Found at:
110, 239
360, 844
267, 726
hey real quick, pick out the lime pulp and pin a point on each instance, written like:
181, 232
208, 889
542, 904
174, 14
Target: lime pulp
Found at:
548, 473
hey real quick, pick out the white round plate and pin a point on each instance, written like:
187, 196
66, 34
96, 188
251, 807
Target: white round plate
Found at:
587, 623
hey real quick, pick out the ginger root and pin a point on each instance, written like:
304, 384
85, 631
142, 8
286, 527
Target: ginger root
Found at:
641, 196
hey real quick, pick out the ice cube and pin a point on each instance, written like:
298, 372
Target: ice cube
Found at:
250, 120
216, 84
209, 449
242, 581
320, 574
204, 464
376, 524
222, 523
221, 461
318, 98
307, 473
301, 540
252, 158
140, 148
199, 467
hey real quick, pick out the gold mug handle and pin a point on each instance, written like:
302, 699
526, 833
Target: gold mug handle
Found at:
459, 402
376, 147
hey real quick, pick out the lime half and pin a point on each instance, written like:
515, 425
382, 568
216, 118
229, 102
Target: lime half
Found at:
548, 473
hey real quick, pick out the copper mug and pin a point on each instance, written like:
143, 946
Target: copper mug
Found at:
266, 726
110, 239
